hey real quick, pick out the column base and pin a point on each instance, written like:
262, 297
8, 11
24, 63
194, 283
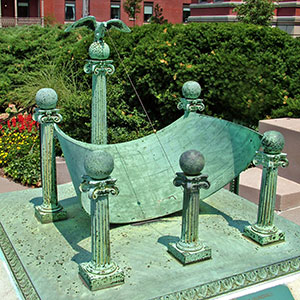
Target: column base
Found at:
264, 238
188, 257
100, 281
46, 215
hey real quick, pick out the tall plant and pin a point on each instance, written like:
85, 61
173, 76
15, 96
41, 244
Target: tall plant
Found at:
257, 12
132, 8
158, 17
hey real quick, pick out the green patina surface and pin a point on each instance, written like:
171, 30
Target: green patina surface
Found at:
100, 272
145, 174
51, 252
264, 231
47, 114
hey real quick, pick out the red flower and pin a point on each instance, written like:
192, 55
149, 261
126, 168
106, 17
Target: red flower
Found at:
20, 118
21, 128
14, 122
8, 124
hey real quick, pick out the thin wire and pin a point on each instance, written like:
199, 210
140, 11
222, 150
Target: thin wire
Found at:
141, 102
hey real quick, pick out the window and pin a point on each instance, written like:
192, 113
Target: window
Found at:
148, 11
115, 9
23, 9
70, 11
186, 12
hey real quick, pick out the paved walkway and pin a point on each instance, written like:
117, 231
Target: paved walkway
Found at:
7, 185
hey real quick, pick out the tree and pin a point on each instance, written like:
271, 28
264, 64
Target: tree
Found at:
258, 12
132, 7
158, 17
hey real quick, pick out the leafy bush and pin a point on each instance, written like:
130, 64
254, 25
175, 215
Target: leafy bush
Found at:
20, 149
258, 12
246, 72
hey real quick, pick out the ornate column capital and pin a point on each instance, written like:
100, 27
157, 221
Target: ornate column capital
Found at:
99, 67
47, 116
191, 182
97, 188
191, 90
271, 156
271, 161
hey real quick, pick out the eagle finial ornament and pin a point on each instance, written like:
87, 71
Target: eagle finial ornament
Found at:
99, 27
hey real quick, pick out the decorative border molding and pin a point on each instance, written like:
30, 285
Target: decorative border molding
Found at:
22, 278
286, 20
217, 18
236, 3
215, 4
236, 282
288, 4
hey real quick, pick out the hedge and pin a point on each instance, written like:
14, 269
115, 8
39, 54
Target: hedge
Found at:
246, 72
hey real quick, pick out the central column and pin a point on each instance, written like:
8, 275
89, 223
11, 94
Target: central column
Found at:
99, 67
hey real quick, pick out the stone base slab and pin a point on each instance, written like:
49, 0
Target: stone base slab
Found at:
98, 281
188, 257
264, 239
44, 258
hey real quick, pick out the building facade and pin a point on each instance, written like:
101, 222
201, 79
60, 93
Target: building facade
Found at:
287, 13
18, 12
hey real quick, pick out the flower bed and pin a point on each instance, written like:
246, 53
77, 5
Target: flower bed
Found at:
20, 149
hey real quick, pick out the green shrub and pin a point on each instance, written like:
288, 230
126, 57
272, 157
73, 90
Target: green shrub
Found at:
26, 169
246, 73
258, 12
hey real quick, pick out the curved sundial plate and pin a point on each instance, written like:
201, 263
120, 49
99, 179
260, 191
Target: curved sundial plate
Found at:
145, 175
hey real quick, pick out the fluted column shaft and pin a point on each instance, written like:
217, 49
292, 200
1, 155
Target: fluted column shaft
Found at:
100, 231
48, 166
99, 111
99, 69
267, 198
190, 215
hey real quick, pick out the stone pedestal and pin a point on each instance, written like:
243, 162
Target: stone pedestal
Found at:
111, 276
47, 114
101, 272
264, 231
189, 249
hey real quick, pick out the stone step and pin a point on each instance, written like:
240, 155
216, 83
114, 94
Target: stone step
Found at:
290, 129
288, 192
